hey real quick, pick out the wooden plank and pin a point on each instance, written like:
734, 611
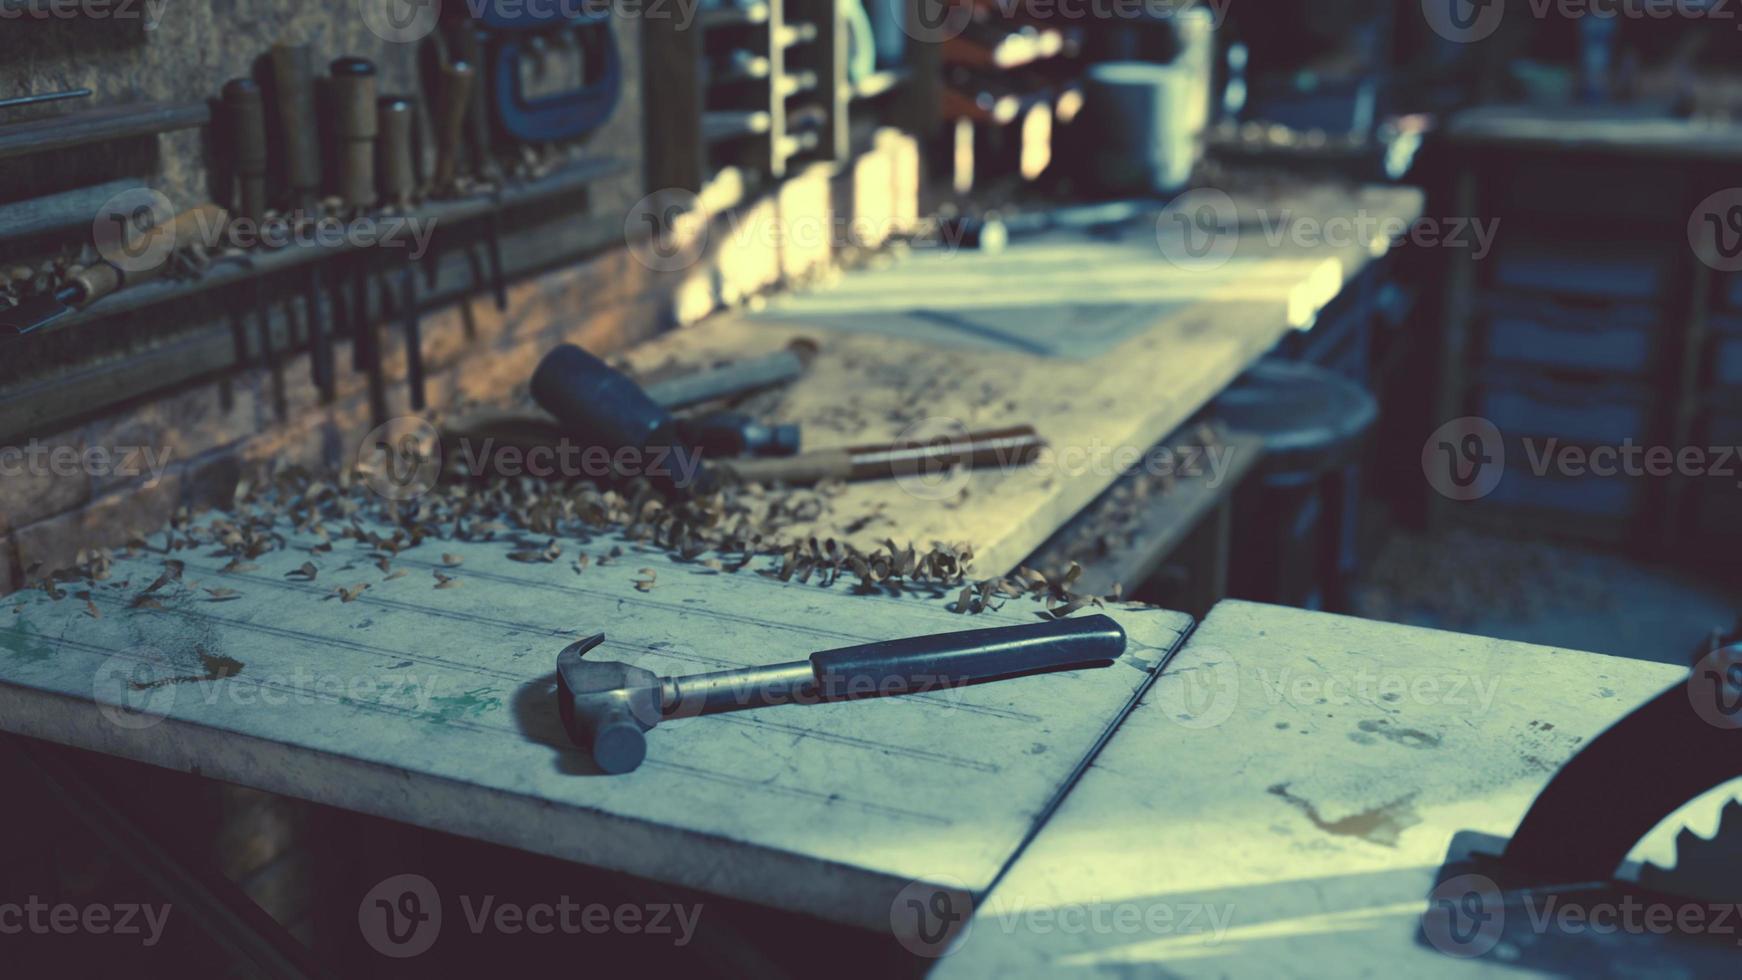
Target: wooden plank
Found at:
109, 123
1596, 130
1199, 331
1123, 538
435, 707
1284, 796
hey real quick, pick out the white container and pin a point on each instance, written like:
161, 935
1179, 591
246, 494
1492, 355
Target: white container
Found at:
1140, 117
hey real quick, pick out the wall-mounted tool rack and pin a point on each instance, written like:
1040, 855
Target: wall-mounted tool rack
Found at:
453, 273
760, 86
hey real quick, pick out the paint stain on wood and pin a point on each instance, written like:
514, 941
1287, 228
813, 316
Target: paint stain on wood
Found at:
217, 667
1381, 825
23, 641
472, 704
1412, 737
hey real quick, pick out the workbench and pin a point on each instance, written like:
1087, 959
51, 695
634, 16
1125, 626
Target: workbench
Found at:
1280, 803
1098, 341
432, 703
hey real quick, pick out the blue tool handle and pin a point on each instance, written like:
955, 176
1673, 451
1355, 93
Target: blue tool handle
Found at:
945, 660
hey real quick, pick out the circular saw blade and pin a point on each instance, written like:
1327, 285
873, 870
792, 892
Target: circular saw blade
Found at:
1707, 868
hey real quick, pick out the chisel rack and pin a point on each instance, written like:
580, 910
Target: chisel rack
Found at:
761, 87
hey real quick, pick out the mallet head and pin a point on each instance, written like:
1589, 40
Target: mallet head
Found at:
606, 707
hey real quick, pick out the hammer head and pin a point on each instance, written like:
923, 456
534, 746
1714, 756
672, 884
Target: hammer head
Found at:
606, 707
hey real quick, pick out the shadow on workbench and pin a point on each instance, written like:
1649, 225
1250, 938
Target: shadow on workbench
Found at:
150, 872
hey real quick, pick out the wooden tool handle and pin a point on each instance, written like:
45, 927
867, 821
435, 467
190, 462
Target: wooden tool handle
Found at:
1004, 447
456, 97
198, 226
293, 77
247, 122
357, 122
398, 169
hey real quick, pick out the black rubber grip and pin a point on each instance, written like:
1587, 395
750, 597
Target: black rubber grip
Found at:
944, 660
597, 404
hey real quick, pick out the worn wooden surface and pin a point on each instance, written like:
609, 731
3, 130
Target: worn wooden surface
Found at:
435, 707
900, 372
1596, 129
1292, 784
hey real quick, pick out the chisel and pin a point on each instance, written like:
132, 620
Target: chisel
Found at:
398, 186
467, 41
294, 90
357, 125
201, 225
245, 116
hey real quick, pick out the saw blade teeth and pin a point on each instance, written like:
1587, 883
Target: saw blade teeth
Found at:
1730, 820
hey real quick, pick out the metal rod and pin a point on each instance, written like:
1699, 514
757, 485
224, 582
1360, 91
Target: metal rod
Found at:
44, 98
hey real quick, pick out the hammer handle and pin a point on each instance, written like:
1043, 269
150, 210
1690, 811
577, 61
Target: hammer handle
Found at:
945, 660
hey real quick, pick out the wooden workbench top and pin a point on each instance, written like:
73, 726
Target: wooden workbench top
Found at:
1614, 130
917, 350
1280, 803
389, 691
